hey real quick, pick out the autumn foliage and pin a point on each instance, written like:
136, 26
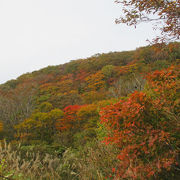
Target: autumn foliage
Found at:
70, 120
1, 126
164, 13
144, 127
129, 100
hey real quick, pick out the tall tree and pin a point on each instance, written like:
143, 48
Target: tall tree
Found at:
166, 14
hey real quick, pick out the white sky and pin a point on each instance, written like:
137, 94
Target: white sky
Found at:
38, 33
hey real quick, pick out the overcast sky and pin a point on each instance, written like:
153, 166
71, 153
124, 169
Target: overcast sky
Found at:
38, 33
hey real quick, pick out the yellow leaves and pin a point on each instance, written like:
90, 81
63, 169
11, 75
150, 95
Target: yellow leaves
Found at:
108, 71
88, 111
104, 103
55, 114
25, 125
95, 81
45, 107
40, 120
93, 96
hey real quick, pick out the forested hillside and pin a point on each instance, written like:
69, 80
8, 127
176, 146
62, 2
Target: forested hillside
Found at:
109, 116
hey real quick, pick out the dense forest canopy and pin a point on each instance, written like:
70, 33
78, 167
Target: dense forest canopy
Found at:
129, 100
109, 116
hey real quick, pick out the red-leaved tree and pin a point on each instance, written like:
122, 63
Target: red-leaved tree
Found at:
70, 120
145, 127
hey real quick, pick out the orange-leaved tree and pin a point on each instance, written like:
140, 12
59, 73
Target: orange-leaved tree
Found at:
95, 81
164, 12
70, 121
145, 127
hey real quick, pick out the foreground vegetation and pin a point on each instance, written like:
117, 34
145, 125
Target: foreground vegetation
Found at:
110, 116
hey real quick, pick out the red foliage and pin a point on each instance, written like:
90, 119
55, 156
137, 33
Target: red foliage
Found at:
67, 77
70, 119
81, 76
139, 126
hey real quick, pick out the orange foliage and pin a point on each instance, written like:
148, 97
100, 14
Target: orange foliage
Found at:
142, 129
81, 76
121, 70
70, 119
166, 13
95, 81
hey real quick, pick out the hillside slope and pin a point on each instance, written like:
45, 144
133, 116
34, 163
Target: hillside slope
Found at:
68, 105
